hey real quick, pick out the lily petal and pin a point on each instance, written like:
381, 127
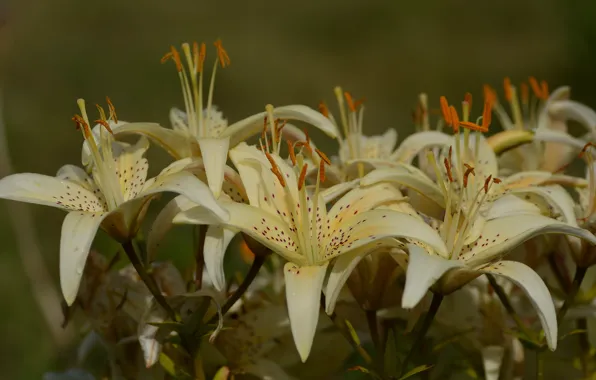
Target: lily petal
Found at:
186, 184
243, 129
424, 269
215, 153
492, 359
407, 176
501, 235
303, 294
509, 139
78, 231
416, 143
217, 240
177, 144
49, 191
570, 109
531, 283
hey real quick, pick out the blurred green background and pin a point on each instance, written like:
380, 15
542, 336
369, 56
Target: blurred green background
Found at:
52, 52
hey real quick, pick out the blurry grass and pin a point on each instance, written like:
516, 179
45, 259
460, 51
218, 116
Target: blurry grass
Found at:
387, 51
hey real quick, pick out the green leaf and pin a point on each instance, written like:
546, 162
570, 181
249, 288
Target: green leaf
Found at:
353, 333
366, 371
417, 370
391, 359
170, 367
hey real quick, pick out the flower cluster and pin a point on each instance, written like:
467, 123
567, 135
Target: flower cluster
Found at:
355, 251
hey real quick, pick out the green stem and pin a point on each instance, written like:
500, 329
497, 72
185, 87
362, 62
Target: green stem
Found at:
507, 305
580, 273
343, 329
257, 263
373, 328
130, 251
426, 323
584, 346
539, 365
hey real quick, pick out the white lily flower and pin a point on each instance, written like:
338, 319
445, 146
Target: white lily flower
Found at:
202, 131
295, 224
114, 196
546, 116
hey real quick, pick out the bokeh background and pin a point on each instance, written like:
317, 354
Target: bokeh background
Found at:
52, 52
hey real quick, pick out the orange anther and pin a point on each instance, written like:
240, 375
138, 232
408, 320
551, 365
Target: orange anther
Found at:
487, 183
323, 109
323, 156
468, 99
279, 176
80, 123
445, 110
264, 131
350, 101
175, 56
302, 177
105, 125
490, 94
544, 89
359, 102
497, 180
291, 150
536, 87
447, 164
487, 114
585, 149
305, 145
112, 109
469, 170
508, 89
102, 113
279, 125
322, 170
525, 93
222, 55
454, 119
202, 55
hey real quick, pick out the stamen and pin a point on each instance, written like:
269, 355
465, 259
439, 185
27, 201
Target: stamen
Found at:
275, 169
585, 149
490, 94
323, 156
112, 110
322, 170
469, 170
544, 88
264, 131
350, 101
536, 88
447, 164
454, 119
507, 88
302, 177
305, 145
222, 55
176, 57
279, 125
105, 124
202, 56
487, 182
525, 93
166, 57
323, 109
487, 114
497, 180
445, 110
102, 114
82, 124
468, 99
292, 153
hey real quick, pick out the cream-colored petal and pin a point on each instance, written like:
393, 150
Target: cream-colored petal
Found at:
374, 225
508, 205
77, 175
177, 144
78, 231
243, 129
407, 176
303, 295
572, 110
214, 152
531, 283
332, 193
164, 222
424, 269
503, 141
186, 184
492, 360
501, 235
217, 240
416, 143
179, 120
49, 191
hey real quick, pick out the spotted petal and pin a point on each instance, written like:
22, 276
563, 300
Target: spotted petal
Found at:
303, 294
78, 231
499, 236
243, 129
49, 191
529, 281
424, 269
